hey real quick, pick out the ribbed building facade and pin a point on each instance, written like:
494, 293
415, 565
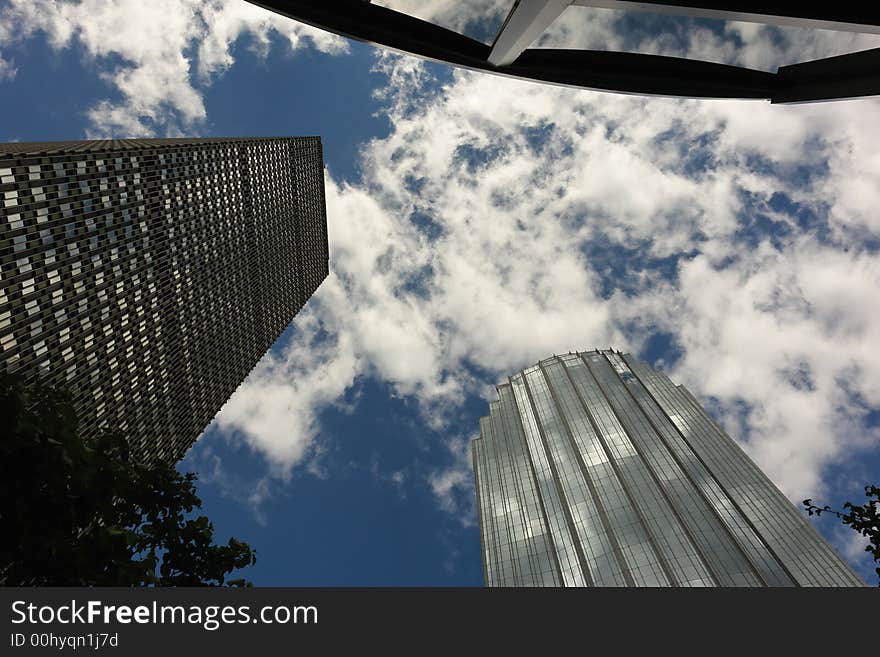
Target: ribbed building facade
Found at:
592, 469
150, 276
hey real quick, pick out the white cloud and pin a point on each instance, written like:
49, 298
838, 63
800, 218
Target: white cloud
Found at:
852, 544
144, 51
453, 14
500, 276
7, 69
785, 332
225, 21
453, 486
276, 407
751, 45
251, 493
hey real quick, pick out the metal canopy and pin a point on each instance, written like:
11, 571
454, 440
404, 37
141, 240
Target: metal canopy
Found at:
832, 78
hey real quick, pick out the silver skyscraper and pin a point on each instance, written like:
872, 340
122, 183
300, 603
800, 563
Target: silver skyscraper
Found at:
592, 469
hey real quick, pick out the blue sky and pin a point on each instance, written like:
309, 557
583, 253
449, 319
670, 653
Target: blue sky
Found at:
479, 224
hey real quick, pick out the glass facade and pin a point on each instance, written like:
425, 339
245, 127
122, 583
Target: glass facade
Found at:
592, 469
150, 276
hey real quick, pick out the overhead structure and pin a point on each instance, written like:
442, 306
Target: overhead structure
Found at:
525, 23
833, 78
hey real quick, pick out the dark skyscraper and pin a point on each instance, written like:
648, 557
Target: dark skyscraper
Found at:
150, 276
592, 469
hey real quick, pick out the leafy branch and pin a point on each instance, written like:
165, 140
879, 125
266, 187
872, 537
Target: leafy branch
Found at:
76, 511
865, 519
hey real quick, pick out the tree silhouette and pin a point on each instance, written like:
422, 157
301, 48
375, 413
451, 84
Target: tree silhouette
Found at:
863, 519
77, 512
